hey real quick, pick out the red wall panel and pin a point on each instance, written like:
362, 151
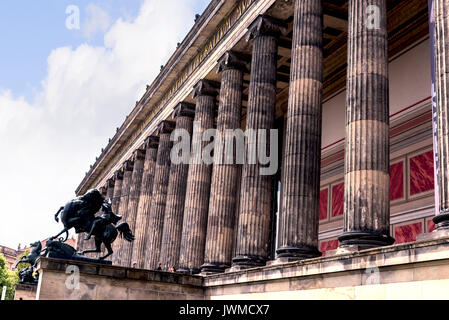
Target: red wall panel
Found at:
338, 194
421, 173
328, 245
324, 196
407, 233
397, 181
430, 226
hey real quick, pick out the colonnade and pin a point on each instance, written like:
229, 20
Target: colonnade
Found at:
192, 216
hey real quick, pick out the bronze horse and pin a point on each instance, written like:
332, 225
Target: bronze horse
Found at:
33, 256
80, 214
104, 231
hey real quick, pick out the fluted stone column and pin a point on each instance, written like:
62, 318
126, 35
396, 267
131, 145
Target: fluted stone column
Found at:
133, 204
367, 181
110, 184
159, 196
299, 216
176, 194
198, 182
237, 212
255, 206
441, 12
223, 196
110, 189
118, 184
91, 243
123, 209
142, 233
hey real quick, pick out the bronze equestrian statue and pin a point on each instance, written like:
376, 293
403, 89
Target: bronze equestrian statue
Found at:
33, 256
104, 230
80, 214
26, 276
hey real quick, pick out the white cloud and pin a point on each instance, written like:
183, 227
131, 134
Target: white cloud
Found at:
97, 21
48, 144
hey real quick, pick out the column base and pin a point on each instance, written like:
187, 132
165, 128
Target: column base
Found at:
365, 239
247, 261
298, 253
213, 268
441, 221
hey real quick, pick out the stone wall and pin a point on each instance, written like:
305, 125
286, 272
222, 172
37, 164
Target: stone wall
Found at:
25, 292
99, 282
417, 270
408, 271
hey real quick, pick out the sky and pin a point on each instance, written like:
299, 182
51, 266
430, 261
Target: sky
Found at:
70, 73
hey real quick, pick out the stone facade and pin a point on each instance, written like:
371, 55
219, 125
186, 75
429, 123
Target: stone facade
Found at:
308, 70
10, 255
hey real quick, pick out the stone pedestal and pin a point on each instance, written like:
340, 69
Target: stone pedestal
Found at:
25, 292
71, 280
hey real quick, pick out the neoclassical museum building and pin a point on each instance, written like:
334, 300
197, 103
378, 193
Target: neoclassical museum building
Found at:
358, 92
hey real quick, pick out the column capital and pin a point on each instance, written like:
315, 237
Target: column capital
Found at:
234, 60
138, 154
118, 175
266, 26
151, 142
206, 88
165, 127
184, 109
128, 165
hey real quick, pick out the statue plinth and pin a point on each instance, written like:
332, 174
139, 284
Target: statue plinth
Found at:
25, 291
